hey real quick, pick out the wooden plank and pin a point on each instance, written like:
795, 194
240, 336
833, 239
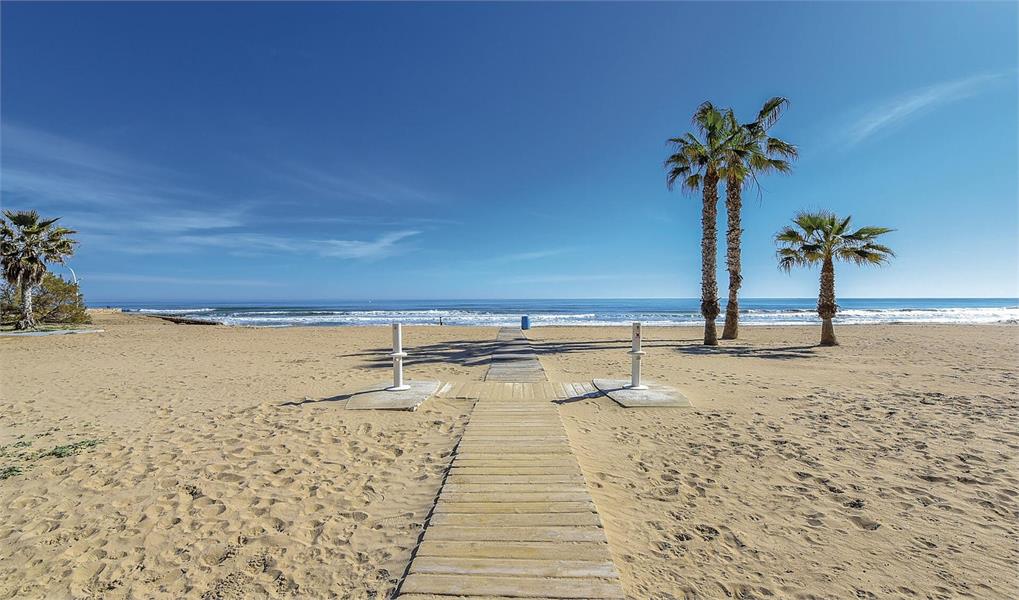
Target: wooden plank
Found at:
495, 407
513, 443
520, 567
517, 460
547, 533
515, 587
545, 456
497, 469
510, 440
542, 415
555, 444
514, 519
515, 411
515, 424
513, 428
458, 478
508, 446
510, 423
515, 488
445, 597
593, 551
520, 435
580, 496
457, 505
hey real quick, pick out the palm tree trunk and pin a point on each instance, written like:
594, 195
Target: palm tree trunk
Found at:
709, 258
826, 306
27, 319
733, 206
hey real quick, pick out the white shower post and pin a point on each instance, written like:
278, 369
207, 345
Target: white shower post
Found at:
398, 356
635, 355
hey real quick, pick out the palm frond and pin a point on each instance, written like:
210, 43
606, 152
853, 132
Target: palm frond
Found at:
820, 237
696, 156
28, 243
777, 147
867, 233
771, 111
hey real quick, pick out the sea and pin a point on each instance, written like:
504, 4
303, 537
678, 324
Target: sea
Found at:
601, 312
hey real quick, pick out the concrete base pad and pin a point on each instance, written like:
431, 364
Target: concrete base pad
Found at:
655, 395
377, 398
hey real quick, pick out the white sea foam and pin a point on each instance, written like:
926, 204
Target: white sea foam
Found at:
175, 311
799, 315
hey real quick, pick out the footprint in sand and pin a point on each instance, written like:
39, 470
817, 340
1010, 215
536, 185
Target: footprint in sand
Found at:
864, 523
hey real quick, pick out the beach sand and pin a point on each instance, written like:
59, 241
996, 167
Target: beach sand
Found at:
885, 467
881, 468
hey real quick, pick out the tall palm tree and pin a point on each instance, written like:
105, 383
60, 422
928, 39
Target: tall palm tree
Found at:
26, 245
696, 162
822, 238
751, 152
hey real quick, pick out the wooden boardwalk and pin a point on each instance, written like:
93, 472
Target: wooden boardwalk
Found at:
515, 359
514, 518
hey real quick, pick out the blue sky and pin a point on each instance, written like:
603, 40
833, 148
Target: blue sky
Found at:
349, 151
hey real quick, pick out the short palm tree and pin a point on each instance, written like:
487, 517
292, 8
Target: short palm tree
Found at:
696, 162
26, 245
749, 153
822, 238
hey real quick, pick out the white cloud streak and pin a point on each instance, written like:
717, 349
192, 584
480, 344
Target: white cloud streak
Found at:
364, 188
161, 280
621, 278
123, 205
250, 244
531, 255
906, 106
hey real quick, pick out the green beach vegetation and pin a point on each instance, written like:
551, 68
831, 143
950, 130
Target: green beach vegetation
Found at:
56, 303
821, 238
27, 245
20, 458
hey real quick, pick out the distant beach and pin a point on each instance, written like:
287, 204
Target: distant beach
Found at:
607, 312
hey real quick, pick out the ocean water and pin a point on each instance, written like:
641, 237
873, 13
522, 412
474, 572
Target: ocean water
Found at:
680, 311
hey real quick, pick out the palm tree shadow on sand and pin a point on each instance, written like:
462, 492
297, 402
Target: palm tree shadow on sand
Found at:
474, 352
744, 351
337, 398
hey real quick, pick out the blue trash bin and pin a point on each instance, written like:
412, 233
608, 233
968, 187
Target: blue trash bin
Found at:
525, 322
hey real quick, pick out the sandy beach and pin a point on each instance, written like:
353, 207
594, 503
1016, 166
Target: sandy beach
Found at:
164, 461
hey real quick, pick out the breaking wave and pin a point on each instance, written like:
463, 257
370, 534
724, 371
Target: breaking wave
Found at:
660, 312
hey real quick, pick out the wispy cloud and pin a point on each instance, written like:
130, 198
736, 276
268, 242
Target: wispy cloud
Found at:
121, 204
381, 247
529, 255
906, 106
157, 279
581, 278
362, 188
252, 244
29, 144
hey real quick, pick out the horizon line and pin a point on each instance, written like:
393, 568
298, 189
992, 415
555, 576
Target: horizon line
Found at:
468, 299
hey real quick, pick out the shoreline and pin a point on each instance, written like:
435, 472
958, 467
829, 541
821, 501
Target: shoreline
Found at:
596, 313
181, 320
